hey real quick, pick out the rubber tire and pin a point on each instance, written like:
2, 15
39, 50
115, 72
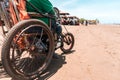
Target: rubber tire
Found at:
72, 44
6, 46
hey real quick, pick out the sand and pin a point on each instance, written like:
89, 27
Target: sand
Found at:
95, 56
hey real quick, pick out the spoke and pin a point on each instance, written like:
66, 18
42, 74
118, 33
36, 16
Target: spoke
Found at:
33, 41
41, 34
21, 64
26, 60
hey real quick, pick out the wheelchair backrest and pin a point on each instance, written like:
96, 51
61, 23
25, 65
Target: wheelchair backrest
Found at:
17, 10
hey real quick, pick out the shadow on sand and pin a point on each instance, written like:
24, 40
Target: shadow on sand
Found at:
54, 66
3, 74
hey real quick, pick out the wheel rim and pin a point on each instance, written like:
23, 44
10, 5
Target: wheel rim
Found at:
68, 42
29, 60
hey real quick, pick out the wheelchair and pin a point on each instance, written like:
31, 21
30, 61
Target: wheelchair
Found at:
29, 44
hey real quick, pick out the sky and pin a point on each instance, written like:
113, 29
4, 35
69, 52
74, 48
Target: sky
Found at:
106, 11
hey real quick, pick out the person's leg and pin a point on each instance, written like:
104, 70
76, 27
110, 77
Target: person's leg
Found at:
57, 29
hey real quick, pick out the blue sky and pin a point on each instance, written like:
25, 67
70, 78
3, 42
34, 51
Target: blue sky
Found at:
107, 11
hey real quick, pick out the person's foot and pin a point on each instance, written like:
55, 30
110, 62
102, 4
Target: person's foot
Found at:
55, 56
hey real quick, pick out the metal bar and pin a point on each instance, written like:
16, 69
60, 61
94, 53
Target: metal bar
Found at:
16, 11
4, 16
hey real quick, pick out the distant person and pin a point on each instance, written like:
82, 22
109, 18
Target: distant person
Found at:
86, 22
73, 21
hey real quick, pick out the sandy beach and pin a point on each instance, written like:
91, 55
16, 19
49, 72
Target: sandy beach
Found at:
95, 56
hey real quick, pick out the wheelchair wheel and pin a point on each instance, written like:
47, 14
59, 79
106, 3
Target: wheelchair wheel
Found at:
67, 42
27, 49
57, 12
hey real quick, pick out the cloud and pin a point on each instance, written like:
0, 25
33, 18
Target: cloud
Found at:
68, 3
105, 10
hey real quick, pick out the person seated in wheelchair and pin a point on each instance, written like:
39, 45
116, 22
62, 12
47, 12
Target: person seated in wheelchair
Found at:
45, 7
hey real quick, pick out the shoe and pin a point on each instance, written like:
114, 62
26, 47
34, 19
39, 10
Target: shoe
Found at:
55, 56
58, 43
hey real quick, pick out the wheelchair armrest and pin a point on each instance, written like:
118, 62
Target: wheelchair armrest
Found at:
38, 15
34, 14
